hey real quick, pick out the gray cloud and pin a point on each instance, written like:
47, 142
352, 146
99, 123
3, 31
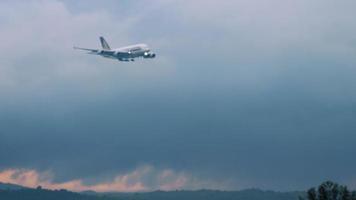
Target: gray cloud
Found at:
256, 94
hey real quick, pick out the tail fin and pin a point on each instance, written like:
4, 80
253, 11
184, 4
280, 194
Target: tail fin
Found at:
104, 44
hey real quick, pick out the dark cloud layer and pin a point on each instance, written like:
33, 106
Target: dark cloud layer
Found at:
224, 101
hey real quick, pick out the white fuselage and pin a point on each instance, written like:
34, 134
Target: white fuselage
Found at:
133, 51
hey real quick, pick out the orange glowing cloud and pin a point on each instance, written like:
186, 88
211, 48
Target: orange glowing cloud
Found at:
130, 182
32, 178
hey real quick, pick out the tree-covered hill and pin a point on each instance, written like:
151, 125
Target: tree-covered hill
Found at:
9, 186
43, 194
251, 194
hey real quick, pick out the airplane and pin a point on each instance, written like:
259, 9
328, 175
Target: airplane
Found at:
127, 53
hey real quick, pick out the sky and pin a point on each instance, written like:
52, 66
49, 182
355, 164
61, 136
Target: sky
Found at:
242, 94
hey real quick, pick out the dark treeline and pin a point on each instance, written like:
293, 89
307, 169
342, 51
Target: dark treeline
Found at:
330, 191
326, 191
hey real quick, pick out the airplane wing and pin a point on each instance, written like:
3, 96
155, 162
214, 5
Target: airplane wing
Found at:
85, 49
106, 53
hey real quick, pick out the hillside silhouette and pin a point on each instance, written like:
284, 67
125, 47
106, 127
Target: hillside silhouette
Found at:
325, 191
44, 194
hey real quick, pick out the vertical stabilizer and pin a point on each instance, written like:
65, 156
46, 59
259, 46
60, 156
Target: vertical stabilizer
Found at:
104, 44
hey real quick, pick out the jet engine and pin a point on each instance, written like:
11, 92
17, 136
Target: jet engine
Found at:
149, 55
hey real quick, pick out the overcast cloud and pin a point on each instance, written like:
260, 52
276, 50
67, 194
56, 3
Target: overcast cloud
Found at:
242, 94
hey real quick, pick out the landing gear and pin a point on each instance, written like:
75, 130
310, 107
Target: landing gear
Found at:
126, 59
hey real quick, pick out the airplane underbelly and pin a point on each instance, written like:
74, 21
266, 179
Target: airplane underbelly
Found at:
133, 54
138, 54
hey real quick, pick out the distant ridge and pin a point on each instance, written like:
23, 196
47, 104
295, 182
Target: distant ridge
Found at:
89, 192
17, 192
9, 186
204, 194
